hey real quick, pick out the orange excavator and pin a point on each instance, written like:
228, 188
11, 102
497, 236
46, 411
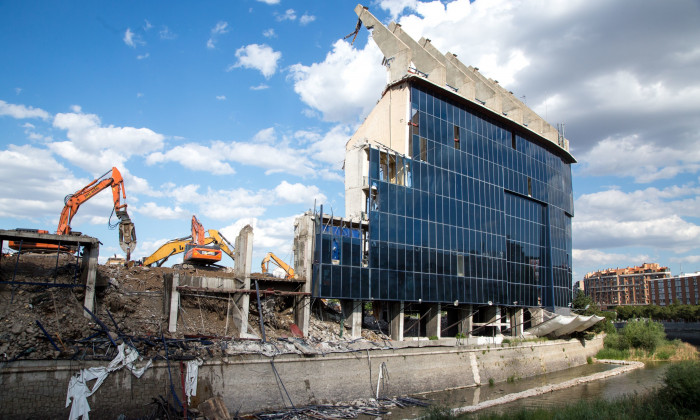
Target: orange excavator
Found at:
127, 233
271, 257
197, 251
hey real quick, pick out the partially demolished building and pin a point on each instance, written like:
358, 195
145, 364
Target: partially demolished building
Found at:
458, 200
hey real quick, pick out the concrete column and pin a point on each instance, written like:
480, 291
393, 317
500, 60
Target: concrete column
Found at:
396, 320
467, 325
304, 237
537, 316
90, 281
491, 320
352, 314
244, 262
516, 321
174, 303
432, 320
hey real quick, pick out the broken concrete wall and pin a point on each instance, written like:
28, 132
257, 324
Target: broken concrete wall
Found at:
304, 238
248, 383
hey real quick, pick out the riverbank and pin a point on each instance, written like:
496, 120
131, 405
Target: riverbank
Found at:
677, 397
625, 366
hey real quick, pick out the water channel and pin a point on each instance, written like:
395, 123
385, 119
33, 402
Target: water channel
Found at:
639, 381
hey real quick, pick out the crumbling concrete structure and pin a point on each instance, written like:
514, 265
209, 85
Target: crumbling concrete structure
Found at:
458, 204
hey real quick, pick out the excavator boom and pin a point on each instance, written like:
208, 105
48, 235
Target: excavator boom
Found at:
271, 257
127, 232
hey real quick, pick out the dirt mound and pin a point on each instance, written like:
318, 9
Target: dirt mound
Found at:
40, 322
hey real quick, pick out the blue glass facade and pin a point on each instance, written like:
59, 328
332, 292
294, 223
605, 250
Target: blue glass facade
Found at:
475, 212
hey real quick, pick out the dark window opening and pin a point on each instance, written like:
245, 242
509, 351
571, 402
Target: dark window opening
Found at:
423, 149
512, 140
529, 187
456, 131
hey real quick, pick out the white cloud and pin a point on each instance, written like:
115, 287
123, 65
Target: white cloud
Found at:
195, 157
142, 56
132, 39
22, 111
18, 90
331, 148
306, 19
345, 86
147, 25
155, 211
395, 7
269, 33
645, 218
269, 1
94, 147
269, 235
259, 57
261, 86
644, 161
166, 33
298, 193
221, 97
220, 28
289, 14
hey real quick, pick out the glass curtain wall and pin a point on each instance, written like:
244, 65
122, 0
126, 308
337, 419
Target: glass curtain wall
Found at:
474, 214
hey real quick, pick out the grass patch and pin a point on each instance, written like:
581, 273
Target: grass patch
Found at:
611, 353
589, 360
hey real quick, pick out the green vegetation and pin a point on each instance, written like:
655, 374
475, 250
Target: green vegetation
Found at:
679, 398
589, 360
460, 336
491, 382
433, 337
644, 340
674, 312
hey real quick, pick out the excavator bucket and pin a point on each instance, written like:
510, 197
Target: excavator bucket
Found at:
127, 233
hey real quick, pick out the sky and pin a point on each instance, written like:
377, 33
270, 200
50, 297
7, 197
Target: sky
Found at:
238, 112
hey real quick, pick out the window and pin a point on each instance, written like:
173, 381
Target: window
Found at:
512, 140
423, 149
529, 187
456, 136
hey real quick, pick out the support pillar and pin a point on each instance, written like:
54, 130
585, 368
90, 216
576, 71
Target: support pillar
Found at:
352, 314
90, 281
244, 262
432, 320
516, 321
467, 325
537, 316
174, 303
304, 237
396, 320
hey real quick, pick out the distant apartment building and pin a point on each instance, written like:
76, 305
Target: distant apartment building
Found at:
682, 289
624, 286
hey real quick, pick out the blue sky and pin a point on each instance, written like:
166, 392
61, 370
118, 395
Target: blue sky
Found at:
238, 112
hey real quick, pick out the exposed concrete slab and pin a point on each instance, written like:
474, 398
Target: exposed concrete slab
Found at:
397, 54
421, 57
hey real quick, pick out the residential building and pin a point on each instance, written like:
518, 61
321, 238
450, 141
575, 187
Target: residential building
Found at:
623, 286
682, 289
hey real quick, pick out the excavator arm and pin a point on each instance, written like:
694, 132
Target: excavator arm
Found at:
127, 233
271, 257
170, 248
223, 243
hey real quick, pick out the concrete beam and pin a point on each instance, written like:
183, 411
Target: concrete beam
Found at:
396, 319
397, 54
93, 252
454, 77
244, 263
483, 91
422, 59
174, 303
304, 237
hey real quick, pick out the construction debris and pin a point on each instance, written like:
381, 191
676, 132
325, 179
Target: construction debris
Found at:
37, 322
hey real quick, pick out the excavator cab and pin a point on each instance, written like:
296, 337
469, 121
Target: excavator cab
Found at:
196, 252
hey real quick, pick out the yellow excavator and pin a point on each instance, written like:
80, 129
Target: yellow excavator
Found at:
270, 257
180, 245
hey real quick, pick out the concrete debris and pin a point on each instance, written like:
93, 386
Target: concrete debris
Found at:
130, 310
214, 409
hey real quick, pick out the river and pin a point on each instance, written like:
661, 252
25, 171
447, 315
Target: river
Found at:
639, 380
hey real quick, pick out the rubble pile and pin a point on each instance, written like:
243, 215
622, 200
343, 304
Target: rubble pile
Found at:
40, 322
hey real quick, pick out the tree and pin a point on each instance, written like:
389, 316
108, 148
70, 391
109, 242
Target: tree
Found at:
583, 302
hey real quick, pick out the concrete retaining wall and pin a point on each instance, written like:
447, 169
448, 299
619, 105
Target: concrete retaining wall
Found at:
247, 383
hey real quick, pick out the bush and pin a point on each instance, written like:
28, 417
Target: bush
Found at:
647, 335
682, 385
616, 341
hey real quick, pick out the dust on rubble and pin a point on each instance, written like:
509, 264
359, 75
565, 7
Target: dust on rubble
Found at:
130, 304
